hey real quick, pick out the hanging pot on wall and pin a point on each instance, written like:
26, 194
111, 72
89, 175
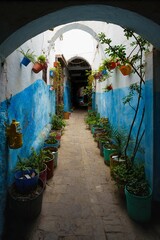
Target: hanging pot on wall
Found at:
25, 61
37, 67
125, 69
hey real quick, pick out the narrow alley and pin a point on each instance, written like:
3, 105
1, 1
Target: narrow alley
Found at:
81, 201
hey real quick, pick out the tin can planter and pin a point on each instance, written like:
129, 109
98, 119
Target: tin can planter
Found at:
139, 207
26, 206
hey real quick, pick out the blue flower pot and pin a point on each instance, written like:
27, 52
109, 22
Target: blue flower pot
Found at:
56, 144
25, 61
24, 184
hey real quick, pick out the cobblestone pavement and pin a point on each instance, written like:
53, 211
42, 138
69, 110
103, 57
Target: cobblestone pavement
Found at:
81, 201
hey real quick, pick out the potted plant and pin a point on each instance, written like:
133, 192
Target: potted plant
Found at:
40, 64
51, 141
108, 87
49, 161
37, 161
28, 57
26, 193
119, 138
58, 123
26, 178
138, 196
54, 152
125, 69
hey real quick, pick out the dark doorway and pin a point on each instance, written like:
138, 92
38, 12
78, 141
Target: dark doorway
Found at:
77, 71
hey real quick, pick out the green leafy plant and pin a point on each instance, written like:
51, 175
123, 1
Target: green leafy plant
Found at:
92, 118
42, 59
57, 122
22, 164
28, 54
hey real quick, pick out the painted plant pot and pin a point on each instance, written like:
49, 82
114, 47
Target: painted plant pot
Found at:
56, 144
139, 207
26, 181
25, 61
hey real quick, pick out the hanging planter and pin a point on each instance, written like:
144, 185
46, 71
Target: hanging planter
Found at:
37, 67
40, 64
25, 61
13, 135
27, 57
125, 69
111, 65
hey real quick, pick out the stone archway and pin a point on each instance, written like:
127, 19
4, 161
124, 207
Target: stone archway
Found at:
98, 12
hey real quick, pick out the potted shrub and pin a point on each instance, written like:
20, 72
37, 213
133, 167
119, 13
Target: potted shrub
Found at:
138, 196
49, 161
58, 123
26, 178
28, 57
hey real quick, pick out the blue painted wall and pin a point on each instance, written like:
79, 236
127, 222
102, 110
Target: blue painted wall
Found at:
33, 108
110, 104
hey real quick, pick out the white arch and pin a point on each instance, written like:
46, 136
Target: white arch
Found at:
69, 27
72, 58
125, 18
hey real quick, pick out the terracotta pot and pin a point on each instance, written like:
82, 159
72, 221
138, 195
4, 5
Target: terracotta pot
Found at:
125, 69
37, 67
66, 115
112, 65
55, 64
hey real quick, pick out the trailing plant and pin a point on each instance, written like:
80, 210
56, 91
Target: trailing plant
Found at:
135, 58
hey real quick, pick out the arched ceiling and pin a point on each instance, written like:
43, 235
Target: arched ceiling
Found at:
19, 22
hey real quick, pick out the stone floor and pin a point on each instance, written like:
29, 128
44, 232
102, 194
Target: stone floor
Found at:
81, 201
